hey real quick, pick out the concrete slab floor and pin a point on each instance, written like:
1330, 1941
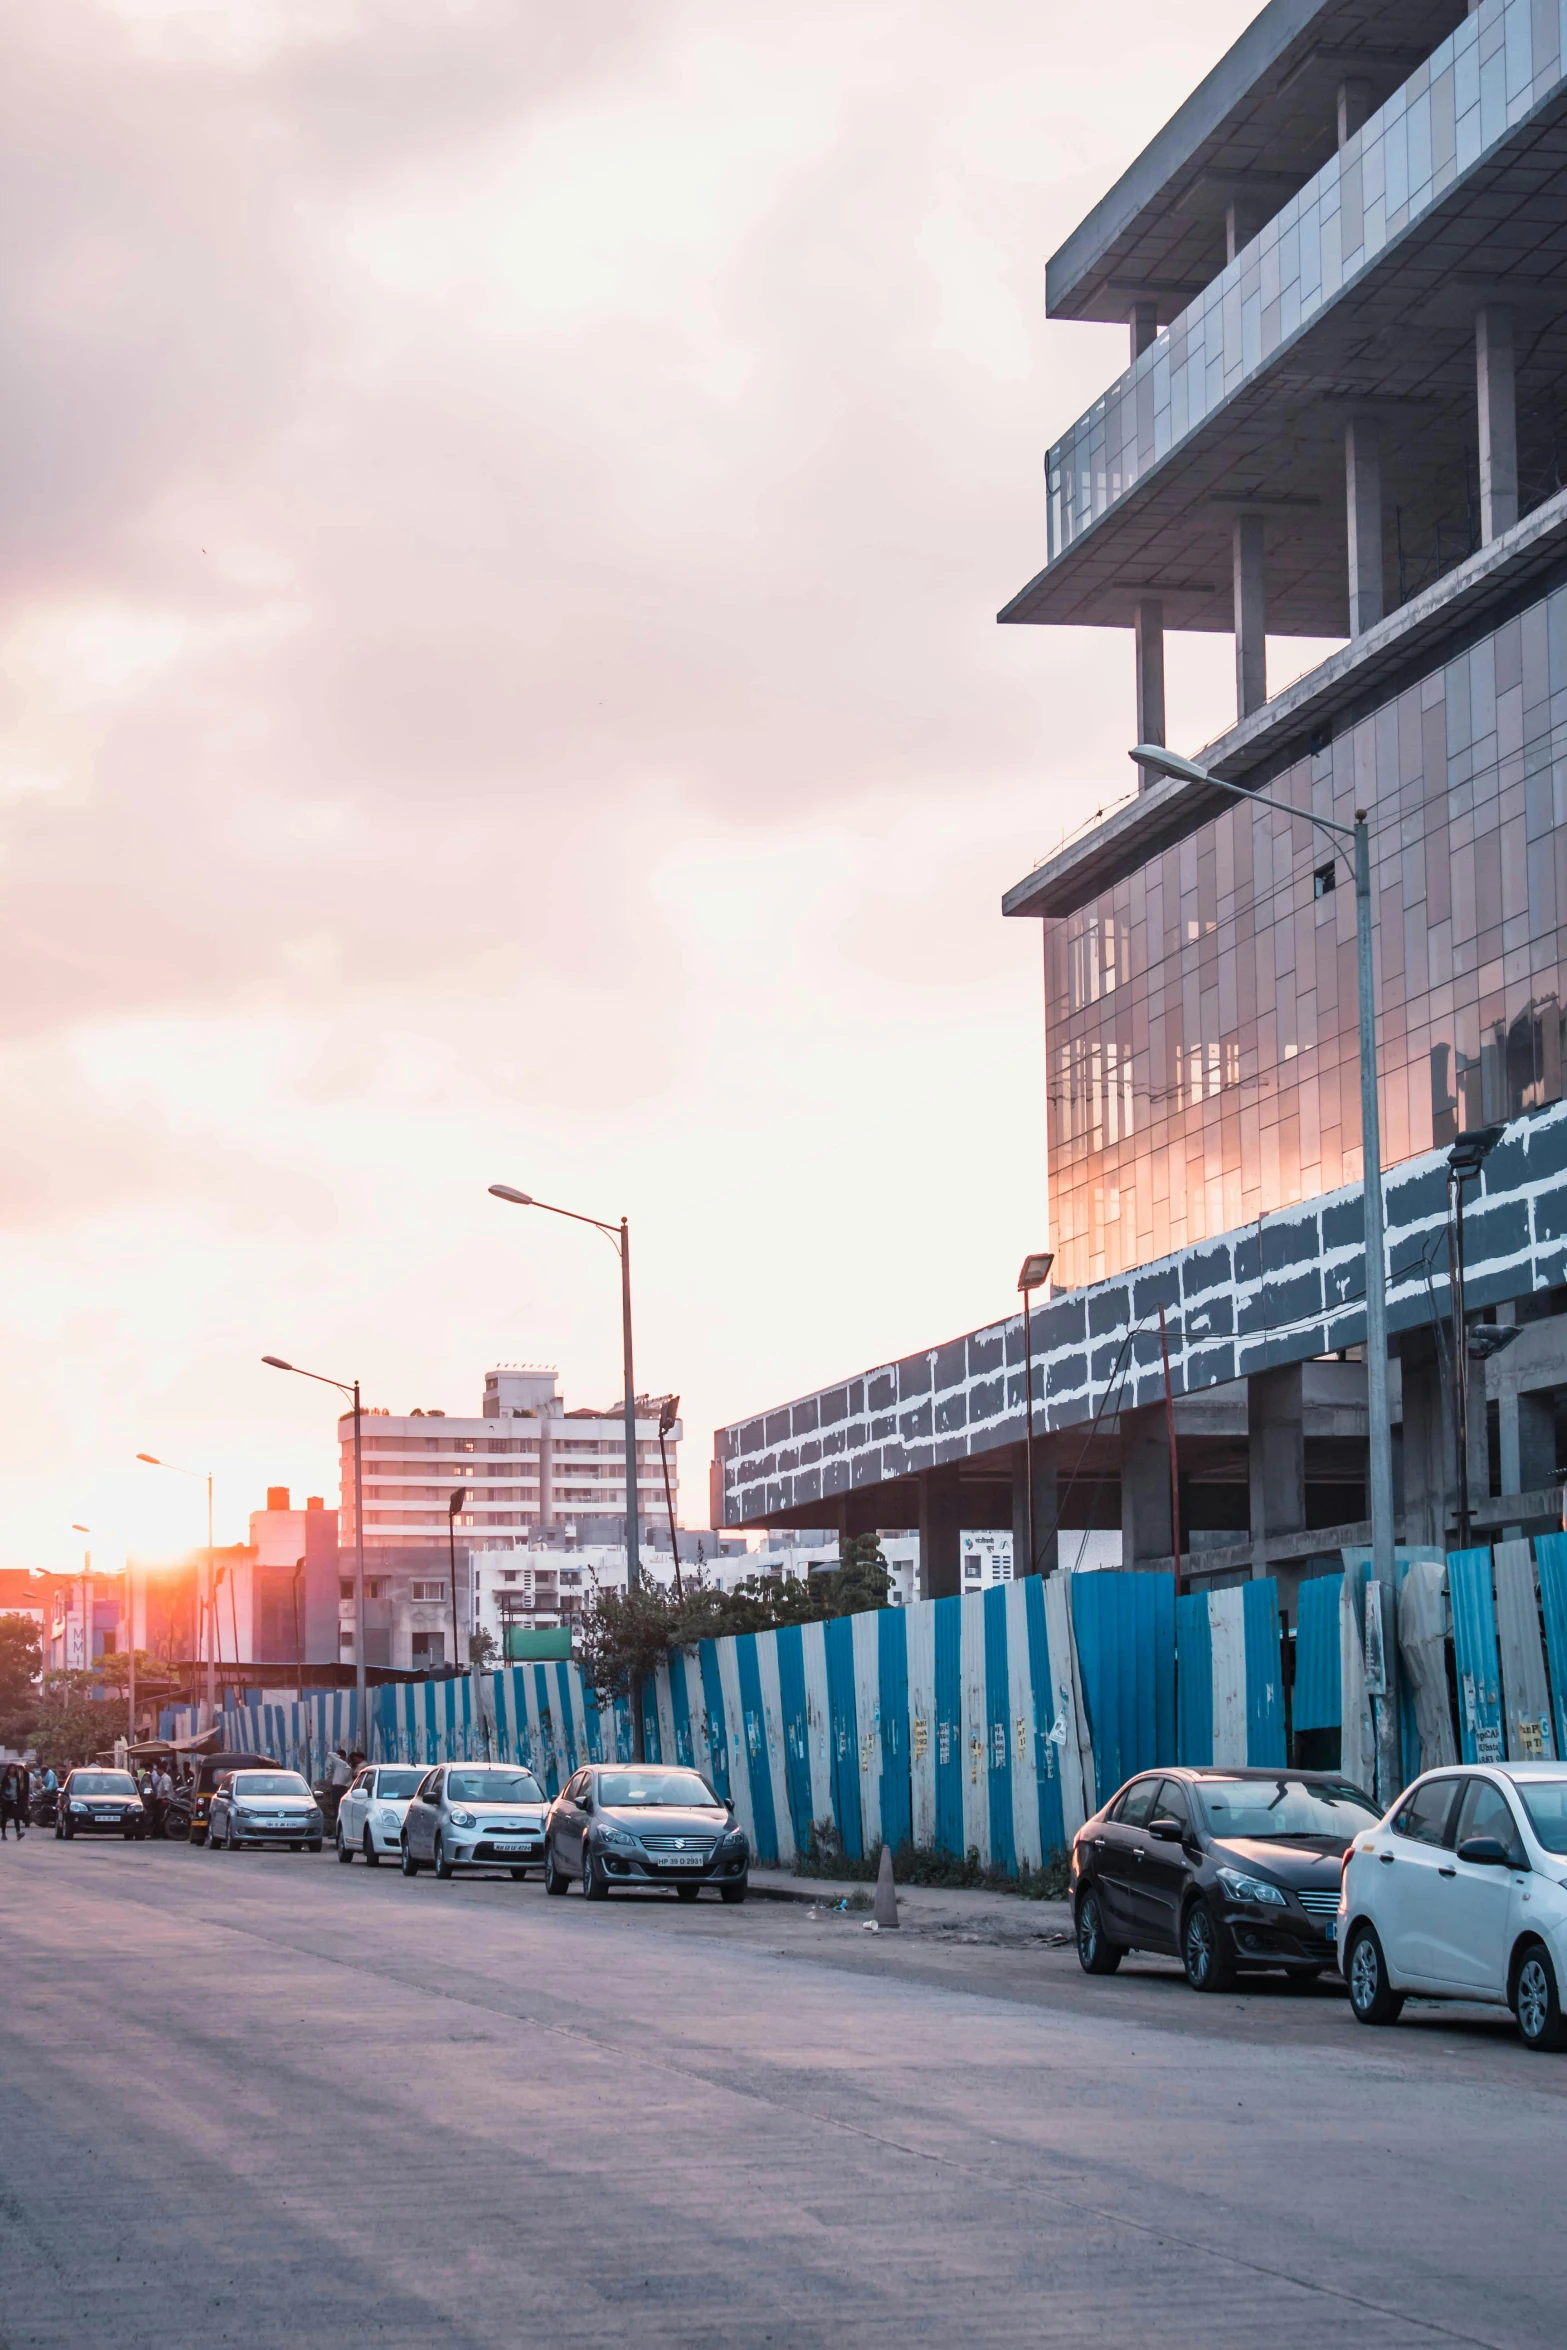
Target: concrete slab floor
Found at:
263, 2099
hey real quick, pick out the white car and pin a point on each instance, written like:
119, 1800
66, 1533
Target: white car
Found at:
1461, 1893
374, 1806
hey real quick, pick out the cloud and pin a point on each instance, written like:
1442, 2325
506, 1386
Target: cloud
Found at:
501, 518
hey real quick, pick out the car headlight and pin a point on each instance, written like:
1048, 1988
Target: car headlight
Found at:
735, 1840
619, 1838
78, 1807
387, 1818
462, 1819
1253, 1889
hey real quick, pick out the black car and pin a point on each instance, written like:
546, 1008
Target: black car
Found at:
1228, 1870
641, 1824
96, 1802
210, 1768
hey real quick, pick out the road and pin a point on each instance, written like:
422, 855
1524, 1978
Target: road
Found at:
265, 2100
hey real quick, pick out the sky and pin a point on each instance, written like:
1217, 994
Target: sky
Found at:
502, 515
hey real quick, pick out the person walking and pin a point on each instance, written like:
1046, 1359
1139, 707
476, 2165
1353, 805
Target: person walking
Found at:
13, 1802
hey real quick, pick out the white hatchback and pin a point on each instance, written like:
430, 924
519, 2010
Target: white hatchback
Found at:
1461, 1893
374, 1806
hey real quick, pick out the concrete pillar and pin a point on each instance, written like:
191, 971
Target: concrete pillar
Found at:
1148, 640
941, 1523
1276, 1453
1145, 1486
1251, 655
1244, 216
1363, 491
1354, 104
1498, 406
1143, 320
1046, 1552
1426, 1447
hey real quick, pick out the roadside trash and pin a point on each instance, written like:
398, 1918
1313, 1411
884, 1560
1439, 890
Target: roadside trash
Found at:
870, 1927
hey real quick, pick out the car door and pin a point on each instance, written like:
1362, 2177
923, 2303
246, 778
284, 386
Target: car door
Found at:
1414, 1867
423, 1816
1120, 1856
218, 1816
351, 1811
1159, 1881
570, 1821
1483, 1905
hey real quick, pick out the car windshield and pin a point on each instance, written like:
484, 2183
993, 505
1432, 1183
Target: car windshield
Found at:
680, 1789
269, 1783
1284, 1807
102, 1783
397, 1786
1545, 1800
493, 1787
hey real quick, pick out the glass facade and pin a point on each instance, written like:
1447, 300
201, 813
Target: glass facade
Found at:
1201, 1021
1478, 85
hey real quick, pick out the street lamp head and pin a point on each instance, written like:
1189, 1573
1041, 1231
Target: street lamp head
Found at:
276, 1363
1159, 761
151, 1459
509, 1191
75, 1529
1036, 1269
1471, 1150
455, 1504
668, 1414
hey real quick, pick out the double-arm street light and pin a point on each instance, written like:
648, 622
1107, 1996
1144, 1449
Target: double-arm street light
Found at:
1379, 1424
350, 1388
202, 1476
1034, 1274
619, 1238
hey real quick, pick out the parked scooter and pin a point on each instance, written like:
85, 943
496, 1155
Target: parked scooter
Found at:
41, 1810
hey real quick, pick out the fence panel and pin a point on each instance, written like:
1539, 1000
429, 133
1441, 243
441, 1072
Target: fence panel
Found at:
1474, 1655
1526, 1694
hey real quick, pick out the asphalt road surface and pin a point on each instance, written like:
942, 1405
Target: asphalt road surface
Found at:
265, 2100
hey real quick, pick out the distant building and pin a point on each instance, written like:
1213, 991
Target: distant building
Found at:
525, 1466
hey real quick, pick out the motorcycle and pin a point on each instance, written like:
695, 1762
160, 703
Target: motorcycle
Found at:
41, 1808
176, 1818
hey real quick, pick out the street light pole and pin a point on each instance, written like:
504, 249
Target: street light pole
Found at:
1464, 1162
211, 1707
86, 1586
619, 1240
1378, 1413
668, 1414
349, 1388
452, 1507
1034, 1274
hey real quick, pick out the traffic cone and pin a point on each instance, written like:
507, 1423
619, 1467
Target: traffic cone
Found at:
886, 1911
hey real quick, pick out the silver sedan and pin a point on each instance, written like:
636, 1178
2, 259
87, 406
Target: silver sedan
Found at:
475, 1815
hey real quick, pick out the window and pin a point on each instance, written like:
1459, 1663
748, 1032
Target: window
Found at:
1485, 1811
1133, 1809
1545, 1800
1424, 1817
429, 1648
345, 1589
1172, 1803
428, 1591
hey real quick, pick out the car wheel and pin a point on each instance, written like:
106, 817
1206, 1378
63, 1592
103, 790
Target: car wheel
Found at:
197, 1836
733, 1893
372, 1857
554, 1880
1209, 1965
687, 1892
1536, 2002
410, 1865
443, 1867
1370, 1994
313, 1844
595, 1885
345, 1852
1096, 1953
229, 1844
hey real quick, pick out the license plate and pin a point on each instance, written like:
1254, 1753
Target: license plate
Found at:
502, 1846
681, 1860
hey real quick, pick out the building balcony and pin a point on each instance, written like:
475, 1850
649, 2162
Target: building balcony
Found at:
1413, 280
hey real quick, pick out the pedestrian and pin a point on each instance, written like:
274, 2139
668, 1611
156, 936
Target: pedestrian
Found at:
13, 1802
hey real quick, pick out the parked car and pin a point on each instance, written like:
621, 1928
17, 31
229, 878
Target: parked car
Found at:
474, 1815
210, 1768
1228, 1870
371, 1814
100, 1803
264, 1807
644, 1824
1461, 1893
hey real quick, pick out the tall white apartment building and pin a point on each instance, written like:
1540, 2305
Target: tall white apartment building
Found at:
526, 1465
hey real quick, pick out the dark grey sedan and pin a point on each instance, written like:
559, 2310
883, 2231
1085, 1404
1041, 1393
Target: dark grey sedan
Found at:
641, 1824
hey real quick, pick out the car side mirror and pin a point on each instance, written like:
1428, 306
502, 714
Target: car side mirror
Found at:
1167, 1831
1485, 1852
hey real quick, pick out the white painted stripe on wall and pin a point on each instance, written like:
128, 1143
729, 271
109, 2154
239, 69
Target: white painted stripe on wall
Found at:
734, 1736
974, 1730
818, 1720
867, 1717
922, 1721
1021, 1741
1227, 1632
772, 1713
1074, 1754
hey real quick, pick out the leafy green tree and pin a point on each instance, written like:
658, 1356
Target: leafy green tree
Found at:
71, 1723
21, 1661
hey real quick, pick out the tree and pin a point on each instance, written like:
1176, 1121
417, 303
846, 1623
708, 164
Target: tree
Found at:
21, 1661
71, 1723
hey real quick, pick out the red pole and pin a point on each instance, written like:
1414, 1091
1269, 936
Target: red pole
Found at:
1175, 1465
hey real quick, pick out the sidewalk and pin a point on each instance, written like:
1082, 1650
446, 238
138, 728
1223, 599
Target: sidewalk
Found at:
942, 1911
